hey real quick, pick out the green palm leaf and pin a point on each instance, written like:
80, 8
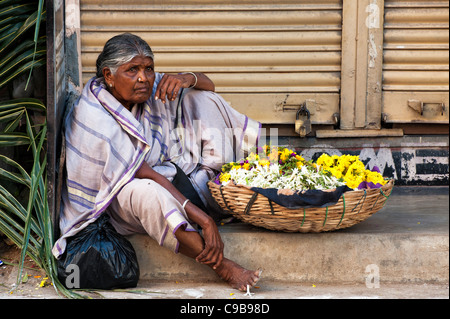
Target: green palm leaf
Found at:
27, 66
29, 103
25, 45
24, 176
21, 54
36, 174
26, 221
18, 29
13, 139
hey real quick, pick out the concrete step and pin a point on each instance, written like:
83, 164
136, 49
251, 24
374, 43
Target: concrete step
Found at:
405, 242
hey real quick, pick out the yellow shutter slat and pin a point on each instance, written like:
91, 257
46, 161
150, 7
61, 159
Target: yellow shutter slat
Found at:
247, 47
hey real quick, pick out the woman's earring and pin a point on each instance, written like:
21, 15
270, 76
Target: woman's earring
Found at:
110, 84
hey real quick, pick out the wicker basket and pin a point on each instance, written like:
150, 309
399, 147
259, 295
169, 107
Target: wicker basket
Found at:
253, 208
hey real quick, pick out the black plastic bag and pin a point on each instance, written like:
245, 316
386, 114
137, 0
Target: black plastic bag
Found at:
98, 257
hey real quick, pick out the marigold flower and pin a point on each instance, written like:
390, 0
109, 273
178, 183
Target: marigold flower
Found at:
335, 172
374, 177
325, 160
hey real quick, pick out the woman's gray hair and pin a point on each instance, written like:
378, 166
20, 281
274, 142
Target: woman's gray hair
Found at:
121, 49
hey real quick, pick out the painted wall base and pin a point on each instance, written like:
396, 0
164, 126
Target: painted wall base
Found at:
410, 160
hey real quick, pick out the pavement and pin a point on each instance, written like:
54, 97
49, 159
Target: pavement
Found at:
400, 252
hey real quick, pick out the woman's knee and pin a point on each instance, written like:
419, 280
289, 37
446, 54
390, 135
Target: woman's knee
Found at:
144, 195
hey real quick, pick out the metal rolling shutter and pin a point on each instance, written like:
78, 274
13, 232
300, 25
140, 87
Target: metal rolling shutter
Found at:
416, 62
260, 54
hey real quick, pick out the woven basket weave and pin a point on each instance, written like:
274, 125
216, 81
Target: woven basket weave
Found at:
253, 208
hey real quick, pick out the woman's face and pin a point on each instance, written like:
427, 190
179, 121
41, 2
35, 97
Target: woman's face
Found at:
133, 81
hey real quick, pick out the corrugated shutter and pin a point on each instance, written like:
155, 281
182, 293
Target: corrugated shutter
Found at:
416, 61
260, 54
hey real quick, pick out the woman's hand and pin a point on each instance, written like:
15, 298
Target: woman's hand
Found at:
212, 254
171, 84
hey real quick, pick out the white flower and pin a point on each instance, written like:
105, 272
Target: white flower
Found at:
270, 177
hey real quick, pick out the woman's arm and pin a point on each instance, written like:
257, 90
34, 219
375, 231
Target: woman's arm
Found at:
213, 252
196, 215
171, 84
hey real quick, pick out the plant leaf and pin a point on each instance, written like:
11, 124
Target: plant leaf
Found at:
18, 30
29, 103
16, 165
36, 36
22, 68
14, 139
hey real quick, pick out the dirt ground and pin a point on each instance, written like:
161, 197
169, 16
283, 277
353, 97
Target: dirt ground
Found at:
34, 281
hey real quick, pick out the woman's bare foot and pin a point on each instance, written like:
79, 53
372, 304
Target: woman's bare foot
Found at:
236, 276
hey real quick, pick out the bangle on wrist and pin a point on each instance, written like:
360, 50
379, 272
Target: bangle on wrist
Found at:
185, 203
195, 77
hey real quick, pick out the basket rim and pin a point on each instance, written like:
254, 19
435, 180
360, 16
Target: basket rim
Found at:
254, 197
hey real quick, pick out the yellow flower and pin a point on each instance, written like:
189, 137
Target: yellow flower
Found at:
357, 169
285, 154
343, 162
43, 282
341, 167
236, 166
224, 177
246, 166
321, 159
354, 181
325, 161
374, 177
335, 172
299, 164
264, 162
355, 174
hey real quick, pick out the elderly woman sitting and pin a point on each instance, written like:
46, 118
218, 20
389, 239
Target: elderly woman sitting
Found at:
134, 133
